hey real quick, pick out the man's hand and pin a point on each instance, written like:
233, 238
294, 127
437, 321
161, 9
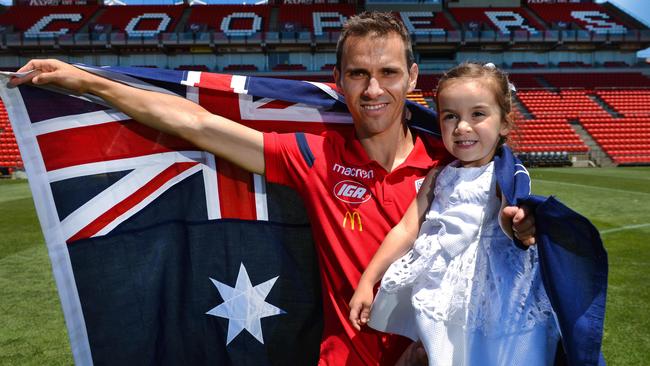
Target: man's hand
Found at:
415, 355
521, 223
360, 305
55, 72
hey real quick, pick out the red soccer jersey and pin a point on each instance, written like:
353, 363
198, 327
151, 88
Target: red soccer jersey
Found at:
352, 203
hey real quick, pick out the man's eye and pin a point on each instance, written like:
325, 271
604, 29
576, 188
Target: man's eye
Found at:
357, 74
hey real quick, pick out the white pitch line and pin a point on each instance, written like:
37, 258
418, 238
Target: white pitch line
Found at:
623, 228
587, 186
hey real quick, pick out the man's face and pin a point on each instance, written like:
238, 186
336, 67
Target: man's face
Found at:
375, 80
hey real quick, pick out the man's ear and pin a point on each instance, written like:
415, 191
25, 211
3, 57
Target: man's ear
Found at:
413, 76
337, 77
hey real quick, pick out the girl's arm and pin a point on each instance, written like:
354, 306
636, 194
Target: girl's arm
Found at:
396, 243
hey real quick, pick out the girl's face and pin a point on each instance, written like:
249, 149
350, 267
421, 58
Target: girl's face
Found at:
471, 121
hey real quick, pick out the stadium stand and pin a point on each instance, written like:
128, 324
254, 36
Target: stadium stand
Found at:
526, 65
572, 104
193, 67
417, 97
43, 21
9, 154
234, 20
289, 67
615, 64
629, 103
316, 18
526, 81
504, 20
625, 140
588, 16
328, 67
597, 79
240, 67
141, 20
419, 22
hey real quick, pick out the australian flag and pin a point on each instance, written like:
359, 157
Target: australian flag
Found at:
162, 253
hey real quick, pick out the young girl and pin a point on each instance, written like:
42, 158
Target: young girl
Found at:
472, 296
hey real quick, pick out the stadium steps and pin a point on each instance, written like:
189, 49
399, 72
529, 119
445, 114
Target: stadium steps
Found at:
451, 19
522, 108
273, 19
92, 20
180, 27
543, 82
597, 153
534, 16
596, 98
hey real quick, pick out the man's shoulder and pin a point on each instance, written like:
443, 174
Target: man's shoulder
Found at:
332, 139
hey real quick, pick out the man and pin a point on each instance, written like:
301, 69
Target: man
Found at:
355, 187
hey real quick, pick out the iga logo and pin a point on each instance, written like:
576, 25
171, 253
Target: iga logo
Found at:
351, 192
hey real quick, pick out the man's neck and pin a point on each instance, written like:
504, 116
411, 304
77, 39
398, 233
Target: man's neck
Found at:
391, 148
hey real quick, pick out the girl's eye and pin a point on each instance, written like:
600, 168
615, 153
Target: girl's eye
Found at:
448, 117
478, 114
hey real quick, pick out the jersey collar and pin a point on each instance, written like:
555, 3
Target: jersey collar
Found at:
419, 157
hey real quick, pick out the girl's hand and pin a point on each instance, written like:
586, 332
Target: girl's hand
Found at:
360, 305
519, 222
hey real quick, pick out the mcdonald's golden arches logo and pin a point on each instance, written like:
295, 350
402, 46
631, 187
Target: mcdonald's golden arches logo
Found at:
354, 218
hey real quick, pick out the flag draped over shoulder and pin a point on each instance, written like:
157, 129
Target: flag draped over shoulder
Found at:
573, 263
164, 254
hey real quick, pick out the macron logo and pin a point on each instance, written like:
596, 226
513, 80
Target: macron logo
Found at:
351, 192
353, 172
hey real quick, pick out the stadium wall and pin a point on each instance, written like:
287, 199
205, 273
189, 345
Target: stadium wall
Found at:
314, 62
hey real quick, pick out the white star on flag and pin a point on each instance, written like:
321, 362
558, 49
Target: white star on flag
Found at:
244, 305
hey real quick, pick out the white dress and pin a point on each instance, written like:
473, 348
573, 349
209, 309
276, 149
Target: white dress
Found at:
474, 298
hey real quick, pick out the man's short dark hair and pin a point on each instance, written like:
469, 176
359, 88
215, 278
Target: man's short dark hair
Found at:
376, 24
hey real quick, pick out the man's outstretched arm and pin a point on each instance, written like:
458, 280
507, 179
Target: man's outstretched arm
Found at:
171, 114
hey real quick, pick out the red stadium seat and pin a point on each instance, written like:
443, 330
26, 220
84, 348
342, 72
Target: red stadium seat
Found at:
141, 20
504, 20
588, 16
233, 20
43, 21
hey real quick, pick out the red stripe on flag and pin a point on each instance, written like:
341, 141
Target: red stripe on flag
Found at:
277, 104
107, 141
237, 192
131, 201
220, 102
216, 82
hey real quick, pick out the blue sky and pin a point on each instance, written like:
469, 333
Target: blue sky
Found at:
638, 8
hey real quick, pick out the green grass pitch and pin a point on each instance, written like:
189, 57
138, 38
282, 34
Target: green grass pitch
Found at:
616, 200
